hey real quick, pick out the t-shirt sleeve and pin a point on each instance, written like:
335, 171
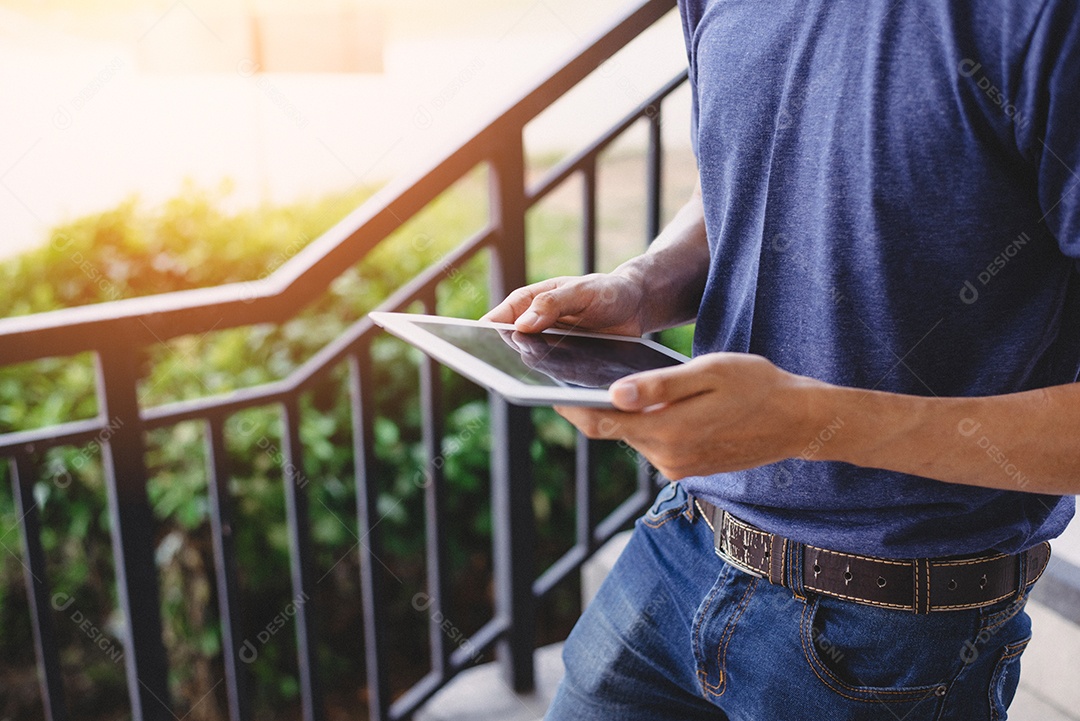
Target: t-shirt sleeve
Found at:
1049, 90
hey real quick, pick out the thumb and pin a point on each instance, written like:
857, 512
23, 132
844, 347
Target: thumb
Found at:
643, 390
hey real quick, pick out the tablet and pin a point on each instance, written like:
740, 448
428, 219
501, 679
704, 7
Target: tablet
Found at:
554, 367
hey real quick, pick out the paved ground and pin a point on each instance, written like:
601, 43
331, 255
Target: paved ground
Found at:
1049, 688
481, 695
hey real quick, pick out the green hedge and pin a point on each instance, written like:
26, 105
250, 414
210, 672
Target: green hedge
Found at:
192, 242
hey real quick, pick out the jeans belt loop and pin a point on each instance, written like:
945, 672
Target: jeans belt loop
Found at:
794, 558
921, 592
778, 560
1021, 576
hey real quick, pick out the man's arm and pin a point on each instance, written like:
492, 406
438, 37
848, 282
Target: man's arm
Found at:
653, 291
674, 270
727, 411
1026, 441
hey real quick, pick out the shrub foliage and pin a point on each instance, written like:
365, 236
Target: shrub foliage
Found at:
192, 242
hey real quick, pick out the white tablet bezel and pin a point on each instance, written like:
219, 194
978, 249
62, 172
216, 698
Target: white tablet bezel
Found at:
477, 370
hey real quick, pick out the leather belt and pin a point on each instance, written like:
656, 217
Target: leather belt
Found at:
920, 585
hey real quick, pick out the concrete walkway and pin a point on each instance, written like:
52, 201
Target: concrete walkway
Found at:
480, 694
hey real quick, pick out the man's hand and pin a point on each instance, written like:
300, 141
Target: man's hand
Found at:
600, 302
728, 411
658, 289
719, 412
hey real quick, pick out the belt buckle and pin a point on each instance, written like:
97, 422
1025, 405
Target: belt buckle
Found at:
720, 540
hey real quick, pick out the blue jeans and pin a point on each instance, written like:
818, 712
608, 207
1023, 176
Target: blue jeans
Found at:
677, 633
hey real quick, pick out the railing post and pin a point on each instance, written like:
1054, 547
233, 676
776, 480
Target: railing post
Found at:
513, 539
436, 551
511, 429
585, 453
221, 534
123, 451
23, 474
367, 497
301, 562
588, 218
654, 174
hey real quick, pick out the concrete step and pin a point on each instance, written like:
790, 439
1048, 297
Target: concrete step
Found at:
481, 694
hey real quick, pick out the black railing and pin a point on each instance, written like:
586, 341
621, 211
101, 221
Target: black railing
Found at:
120, 333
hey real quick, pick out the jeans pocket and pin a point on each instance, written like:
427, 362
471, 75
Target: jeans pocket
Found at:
879, 655
1006, 678
670, 502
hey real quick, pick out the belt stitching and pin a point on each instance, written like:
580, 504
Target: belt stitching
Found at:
915, 601
861, 558
703, 514
926, 570
927, 566
969, 561
988, 602
859, 599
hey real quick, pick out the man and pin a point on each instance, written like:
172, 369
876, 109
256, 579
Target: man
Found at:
881, 426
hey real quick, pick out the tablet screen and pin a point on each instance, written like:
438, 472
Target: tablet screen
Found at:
552, 359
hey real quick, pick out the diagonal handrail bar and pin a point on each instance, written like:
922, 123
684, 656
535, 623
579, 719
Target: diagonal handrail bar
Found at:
120, 332
299, 281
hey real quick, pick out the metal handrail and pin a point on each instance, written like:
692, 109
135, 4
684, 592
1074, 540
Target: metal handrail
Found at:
299, 281
119, 332
299, 379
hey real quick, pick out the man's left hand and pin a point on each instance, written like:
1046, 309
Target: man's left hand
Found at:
719, 412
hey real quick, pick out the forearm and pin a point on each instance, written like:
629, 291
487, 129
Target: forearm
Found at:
1022, 442
673, 272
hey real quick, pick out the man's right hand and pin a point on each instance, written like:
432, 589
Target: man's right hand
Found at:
600, 302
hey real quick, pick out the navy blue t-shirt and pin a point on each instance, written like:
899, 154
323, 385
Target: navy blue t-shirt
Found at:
892, 198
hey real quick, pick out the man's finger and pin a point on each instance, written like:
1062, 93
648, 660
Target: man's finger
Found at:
596, 423
664, 385
517, 302
548, 306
